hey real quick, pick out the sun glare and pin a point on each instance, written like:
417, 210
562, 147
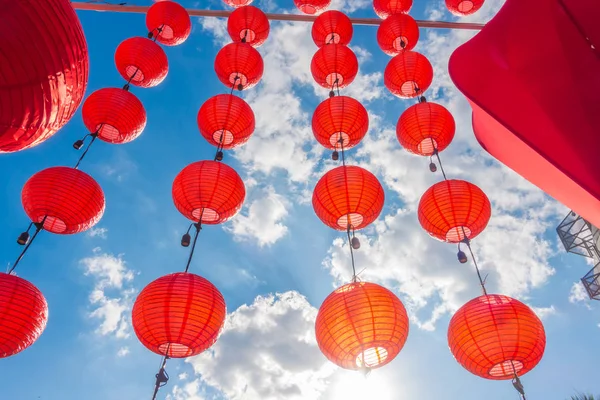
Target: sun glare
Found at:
352, 385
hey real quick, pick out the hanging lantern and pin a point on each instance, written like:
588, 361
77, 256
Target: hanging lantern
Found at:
424, 128
453, 209
464, 7
226, 120
115, 114
348, 196
169, 22
237, 3
66, 200
334, 66
178, 315
385, 8
361, 325
249, 25
239, 66
496, 337
332, 27
42, 81
397, 33
312, 7
408, 75
142, 62
340, 122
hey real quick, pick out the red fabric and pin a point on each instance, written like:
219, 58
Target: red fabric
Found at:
348, 195
226, 119
491, 334
541, 122
408, 74
464, 7
334, 62
451, 209
424, 127
385, 8
250, 24
209, 189
239, 63
396, 30
340, 117
23, 314
43, 70
143, 60
237, 3
179, 315
361, 324
312, 7
332, 27
70, 200
171, 19
116, 114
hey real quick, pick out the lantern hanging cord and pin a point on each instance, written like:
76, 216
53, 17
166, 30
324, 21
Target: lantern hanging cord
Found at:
39, 226
437, 154
161, 377
198, 226
517, 382
351, 250
127, 85
93, 136
468, 243
154, 37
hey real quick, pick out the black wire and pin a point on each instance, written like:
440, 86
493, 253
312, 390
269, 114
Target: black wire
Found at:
437, 154
94, 136
158, 384
38, 228
468, 243
351, 253
198, 227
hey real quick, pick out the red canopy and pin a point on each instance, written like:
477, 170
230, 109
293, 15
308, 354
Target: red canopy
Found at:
248, 24
332, 27
334, 65
239, 65
227, 120
169, 21
142, 61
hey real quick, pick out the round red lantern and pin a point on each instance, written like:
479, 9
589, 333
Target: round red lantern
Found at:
340, 122
178, 315
312, 7
226, 120
496, 337
334, 66
239, 66
65, 199
361, 325
397, 33
464, 7
141, 62
237, 3
248, 24
42, 81
407, 75
453, 209
424, 128
169, 22
23, 312
332, 27
115, 114
385, 8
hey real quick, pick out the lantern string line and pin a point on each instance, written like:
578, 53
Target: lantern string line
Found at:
351, 253
161, 377
468, 243
517, 382
437, 154
220, 145
94, 136
39, 226
198, 226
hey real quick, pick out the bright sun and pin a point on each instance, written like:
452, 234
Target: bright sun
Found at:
353, 385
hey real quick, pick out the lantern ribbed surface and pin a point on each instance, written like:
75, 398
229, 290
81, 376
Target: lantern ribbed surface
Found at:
248, 24
451, 209
385, 8
425, 127
348, 195
239, 64
397, 33
312, 7
334, 65
23, 314
361, 325
116, 114
408, 74
237, 3
340, 121
332, 27
44, 66
142, 61
208, 189
178, 315
227, 120
66, 199
492, 334
464, 7
170, 21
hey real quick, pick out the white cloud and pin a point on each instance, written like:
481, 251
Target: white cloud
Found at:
97, 232
578, 294
123, 351
183, 376
544, 312
189, 391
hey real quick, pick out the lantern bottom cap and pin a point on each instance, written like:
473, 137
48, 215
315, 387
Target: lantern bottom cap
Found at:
175, 350
372, 357
506, 369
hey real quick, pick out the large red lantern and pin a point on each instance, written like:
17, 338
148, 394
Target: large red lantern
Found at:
65, 199
142, 62
424, 128
453, 209
178, 315
464, 7
312, 7
361, 325
43, 71
226, 120
496, 337
239, 66
169, 22
23, 312
385, 8
333, 66
397, 33
248, 24
408, 74
237, 3
332, 27
340, 122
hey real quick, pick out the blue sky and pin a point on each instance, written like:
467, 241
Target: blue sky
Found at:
275, 262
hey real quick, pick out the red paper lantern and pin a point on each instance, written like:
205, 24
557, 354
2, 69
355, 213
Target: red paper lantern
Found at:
115, 114
492, 334
425, 127
312, 7
248, 24
334, 65
239, 65
178, 315
169, 21
332, 27
226, 120
23, 312
142, 61
348, 196
208, 190
43, 71
361, 325
66, 199
407, 75
385, 8
340, 118
453, 209
237, 3
464, 7
397, 33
